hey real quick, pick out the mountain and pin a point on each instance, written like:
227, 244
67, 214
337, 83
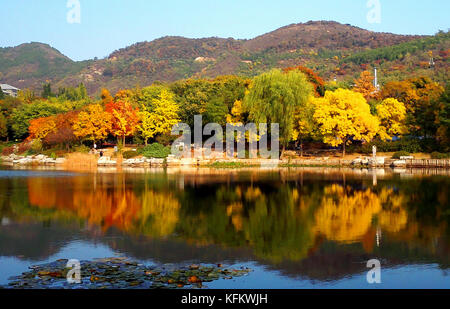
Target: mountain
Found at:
332, 49
29, 65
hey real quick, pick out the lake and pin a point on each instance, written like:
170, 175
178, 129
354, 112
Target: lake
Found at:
295, 228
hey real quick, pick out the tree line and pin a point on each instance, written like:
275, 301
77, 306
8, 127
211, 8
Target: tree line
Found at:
307, 109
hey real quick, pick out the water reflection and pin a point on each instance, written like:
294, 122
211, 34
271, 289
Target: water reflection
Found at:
298, 222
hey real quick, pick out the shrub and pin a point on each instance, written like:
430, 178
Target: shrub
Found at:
399, 154
438, 155
24, 148
410, 145
130, 154
82, 149
6, 151
165, 139
36, 146
155, 150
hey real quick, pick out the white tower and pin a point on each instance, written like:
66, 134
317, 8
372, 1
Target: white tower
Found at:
375, 80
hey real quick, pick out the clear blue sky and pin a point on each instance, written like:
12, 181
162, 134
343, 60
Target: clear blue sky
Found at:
107, 25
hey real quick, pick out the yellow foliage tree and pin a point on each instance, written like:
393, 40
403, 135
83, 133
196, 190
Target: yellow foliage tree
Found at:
236, 113
304, 124
344, 115
93, 123
162, 117
392, 116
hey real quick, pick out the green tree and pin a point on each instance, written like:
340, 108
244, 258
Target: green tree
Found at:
47, 91
3, 126
275, 96
22, 115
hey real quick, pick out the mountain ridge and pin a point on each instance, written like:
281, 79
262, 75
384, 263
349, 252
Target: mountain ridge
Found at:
320, 45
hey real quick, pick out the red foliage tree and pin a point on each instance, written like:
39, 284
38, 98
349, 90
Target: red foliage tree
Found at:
314, 79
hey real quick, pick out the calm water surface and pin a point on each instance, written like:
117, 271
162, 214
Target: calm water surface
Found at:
299, 228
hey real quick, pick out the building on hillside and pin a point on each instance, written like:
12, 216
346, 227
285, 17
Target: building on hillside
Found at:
9, 90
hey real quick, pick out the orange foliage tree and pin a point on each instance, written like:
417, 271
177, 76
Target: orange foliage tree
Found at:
64, 133
40, 127
364, 85
106, 96
313, 78
420, 96
124, 118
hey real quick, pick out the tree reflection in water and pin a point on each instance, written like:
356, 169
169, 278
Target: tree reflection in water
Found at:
279, 217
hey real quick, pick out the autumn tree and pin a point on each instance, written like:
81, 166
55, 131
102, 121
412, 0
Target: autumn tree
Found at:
364, 85
305, 125
124, 117
64, 133
443, 119
344, 116
420, 96
93, 123
392, 116
274, 97
41, 127
106, 96
313, 78
162, 116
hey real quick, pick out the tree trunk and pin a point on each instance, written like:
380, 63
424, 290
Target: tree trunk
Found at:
343, 149
123, 145
301, 148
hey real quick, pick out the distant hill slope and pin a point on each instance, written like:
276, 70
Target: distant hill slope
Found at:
29, 65
334, 50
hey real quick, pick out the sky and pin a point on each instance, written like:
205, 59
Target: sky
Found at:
107, 25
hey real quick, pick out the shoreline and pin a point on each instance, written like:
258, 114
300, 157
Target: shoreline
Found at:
94, 162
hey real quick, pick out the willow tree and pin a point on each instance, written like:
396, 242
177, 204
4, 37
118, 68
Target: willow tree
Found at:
274, 97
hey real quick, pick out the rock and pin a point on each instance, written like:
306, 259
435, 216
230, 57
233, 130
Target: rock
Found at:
399, 163
60, 160
24, 161
407, 158
357, 161
49, 161
156, 162
104, 161
173, 162
365, 161
377, 161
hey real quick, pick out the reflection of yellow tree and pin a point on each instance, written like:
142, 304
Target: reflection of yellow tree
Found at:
346, 217
393, 217
159, 213
235, 211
